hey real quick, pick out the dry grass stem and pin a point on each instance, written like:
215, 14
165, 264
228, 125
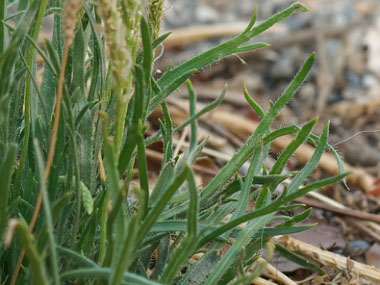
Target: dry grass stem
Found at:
277, 275
262, 281
345, 264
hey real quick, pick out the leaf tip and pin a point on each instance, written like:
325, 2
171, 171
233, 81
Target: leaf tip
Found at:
301, 7
254, 15
311, 58
8, 236
327, 127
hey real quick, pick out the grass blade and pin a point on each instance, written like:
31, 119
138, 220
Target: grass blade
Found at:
49, 220
312, 163
192, 111
229, 47
80, 258
205, 110
154, 213
291, 148
105, 273
38, 271
6, 170
253, 104
190, 242
299, 260
247, 149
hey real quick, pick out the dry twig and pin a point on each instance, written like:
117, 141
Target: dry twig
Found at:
191, 35
344, 211
367, 227
262, 281
327, 258
277, 275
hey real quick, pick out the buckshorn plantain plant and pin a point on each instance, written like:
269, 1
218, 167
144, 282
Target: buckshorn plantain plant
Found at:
72, 135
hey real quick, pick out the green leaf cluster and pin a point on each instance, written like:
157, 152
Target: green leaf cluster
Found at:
96, 226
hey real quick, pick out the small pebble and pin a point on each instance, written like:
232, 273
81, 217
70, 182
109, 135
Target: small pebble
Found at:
206, 15
356, 248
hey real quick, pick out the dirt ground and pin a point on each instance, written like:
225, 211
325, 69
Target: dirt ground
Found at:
344, 87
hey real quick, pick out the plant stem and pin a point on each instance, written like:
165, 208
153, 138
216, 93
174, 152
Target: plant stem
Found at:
3, 12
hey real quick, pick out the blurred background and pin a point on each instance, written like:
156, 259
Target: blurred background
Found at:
344, 86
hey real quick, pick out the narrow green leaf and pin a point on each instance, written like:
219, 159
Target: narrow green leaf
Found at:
147, 61
155, 212
105, 273
8, 57
165, 92
192, 111
205, 110
288, 130
47, 210
253, 104
181, 226
3, 12
79, 54
316, 185
272, 207
291, 207
87, 107
78, 257
192, 217
120, 265
163, 181
291, 148
53, 57
297, 218
258, 157
265, 25
264, 198
160, 40
251, 47
190, 242
168, 136
229, 47
6, 170
143, 169
252, 21
299, 260
130, 142
312, 163
110, 163
247, 149
233, 252
35, 85
38, 271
